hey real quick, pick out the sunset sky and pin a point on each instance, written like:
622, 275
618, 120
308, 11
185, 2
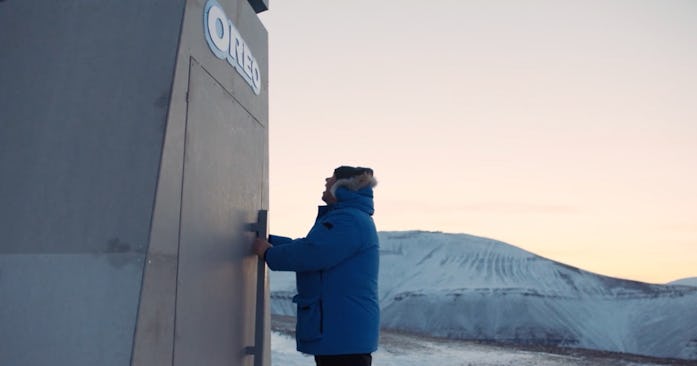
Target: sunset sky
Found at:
566, 128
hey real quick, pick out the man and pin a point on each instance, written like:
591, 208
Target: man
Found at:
336, 268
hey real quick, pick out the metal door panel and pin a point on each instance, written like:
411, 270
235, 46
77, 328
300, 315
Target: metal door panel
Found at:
221, 194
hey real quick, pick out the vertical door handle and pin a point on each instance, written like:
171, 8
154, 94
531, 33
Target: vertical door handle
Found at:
261, 228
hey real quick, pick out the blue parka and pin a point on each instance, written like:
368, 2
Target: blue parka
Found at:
336, 269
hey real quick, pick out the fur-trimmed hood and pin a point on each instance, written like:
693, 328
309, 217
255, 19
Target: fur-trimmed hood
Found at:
362, 199
355, 183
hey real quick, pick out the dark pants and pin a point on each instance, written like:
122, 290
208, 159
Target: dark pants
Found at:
344, 360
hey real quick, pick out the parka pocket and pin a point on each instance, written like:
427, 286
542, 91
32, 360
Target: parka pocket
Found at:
309, 320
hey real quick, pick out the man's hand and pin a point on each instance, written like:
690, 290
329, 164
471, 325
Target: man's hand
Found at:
260, 246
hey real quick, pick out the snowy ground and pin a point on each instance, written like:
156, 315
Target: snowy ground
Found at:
398, 349
429, 353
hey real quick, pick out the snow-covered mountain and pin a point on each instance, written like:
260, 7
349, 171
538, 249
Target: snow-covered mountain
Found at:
690, 281
468, 287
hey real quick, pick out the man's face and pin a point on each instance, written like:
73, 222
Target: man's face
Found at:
327, 195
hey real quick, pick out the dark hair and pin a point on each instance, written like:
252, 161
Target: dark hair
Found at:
344, 171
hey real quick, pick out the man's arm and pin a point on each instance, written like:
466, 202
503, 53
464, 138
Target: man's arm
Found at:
260, 246
279, 240
328, 244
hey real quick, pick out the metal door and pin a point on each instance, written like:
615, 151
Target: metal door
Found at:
222, 190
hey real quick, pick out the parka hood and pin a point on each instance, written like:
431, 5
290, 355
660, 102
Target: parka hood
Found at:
361, 199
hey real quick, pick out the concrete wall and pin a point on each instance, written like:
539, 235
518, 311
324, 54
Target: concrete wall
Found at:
108, 249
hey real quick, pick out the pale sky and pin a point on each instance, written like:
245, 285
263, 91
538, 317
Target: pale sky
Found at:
566, 128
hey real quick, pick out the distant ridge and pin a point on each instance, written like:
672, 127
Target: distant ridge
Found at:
690, 281
469, 287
